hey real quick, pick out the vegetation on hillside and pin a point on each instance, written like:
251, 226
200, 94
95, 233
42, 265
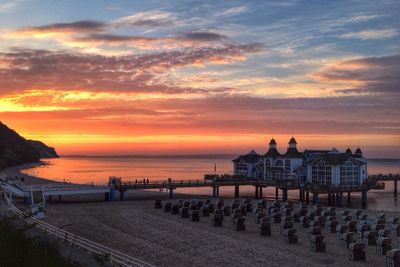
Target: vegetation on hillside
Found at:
16, 249
15, 150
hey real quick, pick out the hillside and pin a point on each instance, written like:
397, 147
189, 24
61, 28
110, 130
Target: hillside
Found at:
44, 151
15, 150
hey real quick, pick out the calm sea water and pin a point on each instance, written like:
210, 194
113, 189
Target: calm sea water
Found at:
97, 171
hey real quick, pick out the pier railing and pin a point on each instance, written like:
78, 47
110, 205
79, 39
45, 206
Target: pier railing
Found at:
109, 254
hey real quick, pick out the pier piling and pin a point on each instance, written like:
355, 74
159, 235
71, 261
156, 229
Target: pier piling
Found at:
349, 199
340, 204
284, 195
236, 191
364, 199
256, 194
261, 192
396, 177
315, 198
276, 193
308, 197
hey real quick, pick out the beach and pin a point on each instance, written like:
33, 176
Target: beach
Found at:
136, 228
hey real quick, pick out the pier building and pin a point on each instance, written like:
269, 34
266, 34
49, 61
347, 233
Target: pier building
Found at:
323, 167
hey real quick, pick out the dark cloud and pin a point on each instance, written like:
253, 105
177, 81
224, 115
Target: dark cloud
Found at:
379, 75
203, 36
172, 42
78, 26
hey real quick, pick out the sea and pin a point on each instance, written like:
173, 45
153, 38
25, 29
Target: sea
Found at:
97, 170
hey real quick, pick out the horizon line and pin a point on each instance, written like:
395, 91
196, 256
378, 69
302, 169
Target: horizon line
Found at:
214, 155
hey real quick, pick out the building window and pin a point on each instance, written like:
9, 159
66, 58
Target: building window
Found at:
321, 173
287, 166
301, 174
349, 174
241, 168
279, 163
268, 163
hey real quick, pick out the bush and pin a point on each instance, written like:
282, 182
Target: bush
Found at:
16, 249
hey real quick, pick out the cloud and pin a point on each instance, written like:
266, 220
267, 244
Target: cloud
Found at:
7, 6
208, 115
190, 39
85, 26
148, 19
233, 11
203, 36
369, 75
370, 34
24, 69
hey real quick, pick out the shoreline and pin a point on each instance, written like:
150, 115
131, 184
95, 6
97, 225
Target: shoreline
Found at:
15, 171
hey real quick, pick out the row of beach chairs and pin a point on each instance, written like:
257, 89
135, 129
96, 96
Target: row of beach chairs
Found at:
354, 230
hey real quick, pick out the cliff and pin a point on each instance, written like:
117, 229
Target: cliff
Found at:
15, 150
44, 151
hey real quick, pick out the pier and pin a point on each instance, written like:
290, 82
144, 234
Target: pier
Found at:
335, 194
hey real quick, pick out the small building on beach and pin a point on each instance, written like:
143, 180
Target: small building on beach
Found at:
324, 167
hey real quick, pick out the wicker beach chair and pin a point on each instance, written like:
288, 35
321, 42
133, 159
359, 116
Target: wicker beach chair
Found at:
383, 245
317, 243
393, 258
158, 204
265, 228
356, 252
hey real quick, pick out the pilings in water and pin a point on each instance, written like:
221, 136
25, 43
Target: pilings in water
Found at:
364, 199
284, 195
340, 202
395, 186
276, 193
301, 195
258, 191
236, 191
315, 198
308, 197
256, 194
349, 198
215, 191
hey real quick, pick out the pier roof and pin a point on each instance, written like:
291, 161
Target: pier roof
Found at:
249, 158
335, 159
293, 153
272, 153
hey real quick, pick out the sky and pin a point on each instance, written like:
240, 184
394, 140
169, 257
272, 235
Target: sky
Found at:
195, 77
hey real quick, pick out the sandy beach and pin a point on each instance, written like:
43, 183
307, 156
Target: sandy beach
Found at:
138, 229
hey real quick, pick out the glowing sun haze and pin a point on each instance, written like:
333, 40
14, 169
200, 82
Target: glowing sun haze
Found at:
192, 77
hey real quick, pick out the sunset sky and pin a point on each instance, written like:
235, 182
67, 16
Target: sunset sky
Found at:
190, 77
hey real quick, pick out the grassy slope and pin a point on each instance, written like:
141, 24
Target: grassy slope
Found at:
18, 250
